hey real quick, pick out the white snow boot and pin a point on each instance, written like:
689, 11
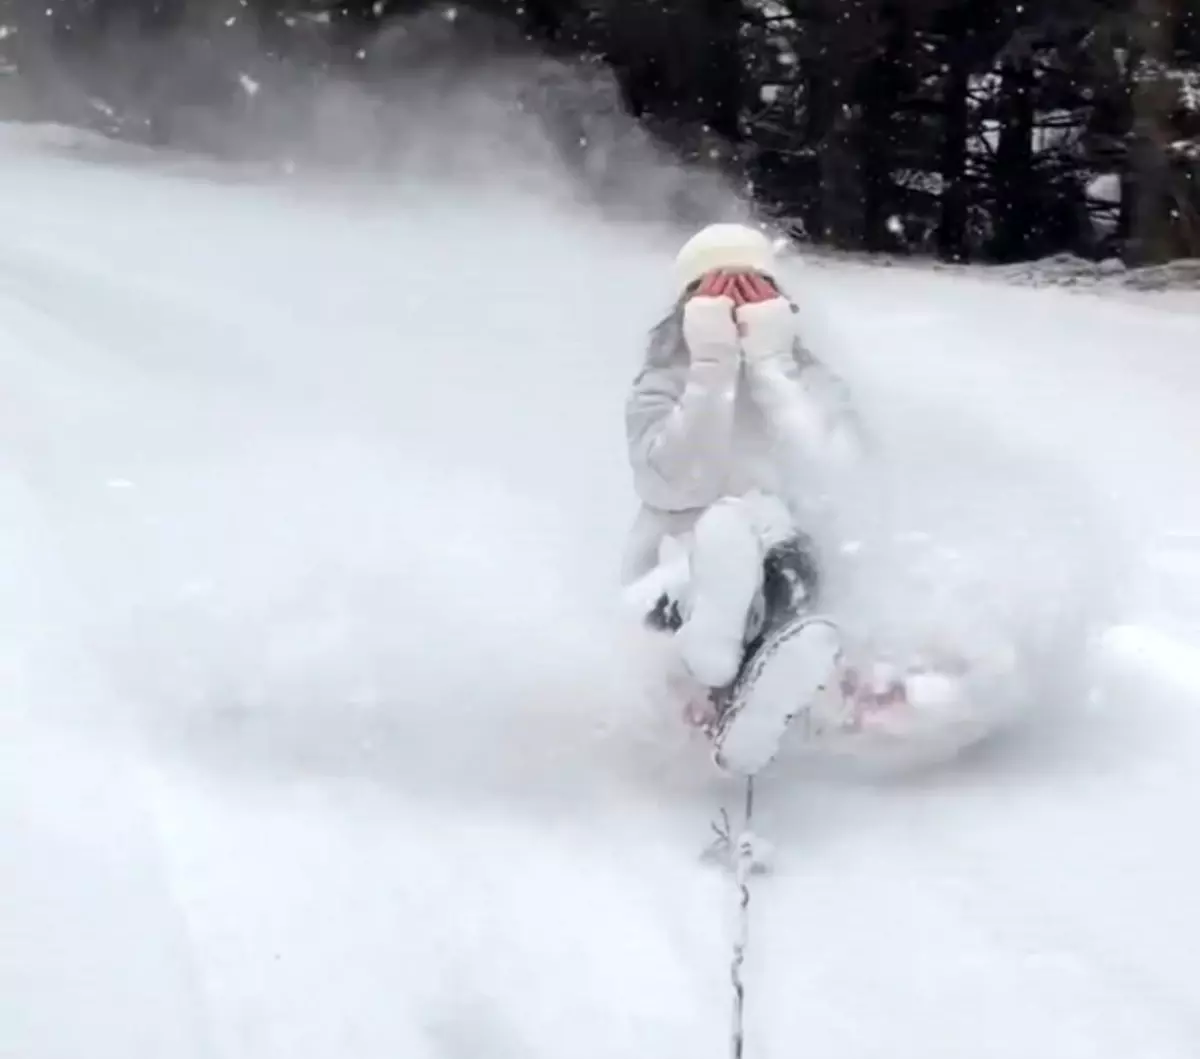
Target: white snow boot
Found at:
783, 680
726, 572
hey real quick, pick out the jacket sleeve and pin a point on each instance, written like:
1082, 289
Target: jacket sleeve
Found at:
679, 421
805, 403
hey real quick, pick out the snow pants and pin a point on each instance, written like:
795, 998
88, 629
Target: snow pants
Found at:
714, 586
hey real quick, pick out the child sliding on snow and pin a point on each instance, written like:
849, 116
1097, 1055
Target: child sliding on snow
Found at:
725, 408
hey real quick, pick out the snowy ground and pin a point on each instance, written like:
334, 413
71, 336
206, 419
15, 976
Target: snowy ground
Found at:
322, 739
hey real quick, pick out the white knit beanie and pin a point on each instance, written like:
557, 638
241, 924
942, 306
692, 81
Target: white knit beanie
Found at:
732, 246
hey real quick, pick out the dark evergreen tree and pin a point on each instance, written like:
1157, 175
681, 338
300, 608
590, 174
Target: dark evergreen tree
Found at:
973, 129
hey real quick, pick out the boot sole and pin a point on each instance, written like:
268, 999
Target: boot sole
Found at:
781, 680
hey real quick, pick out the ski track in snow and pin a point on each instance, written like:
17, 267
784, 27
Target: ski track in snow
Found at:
322, 735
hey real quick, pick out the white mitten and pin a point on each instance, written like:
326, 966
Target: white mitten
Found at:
710, 331
768, 331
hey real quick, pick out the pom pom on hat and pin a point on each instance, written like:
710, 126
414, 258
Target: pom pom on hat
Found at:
732, 246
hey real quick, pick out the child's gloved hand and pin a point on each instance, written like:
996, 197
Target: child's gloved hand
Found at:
764, 318
709, 327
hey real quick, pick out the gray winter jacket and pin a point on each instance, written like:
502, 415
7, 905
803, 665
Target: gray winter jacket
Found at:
713, 414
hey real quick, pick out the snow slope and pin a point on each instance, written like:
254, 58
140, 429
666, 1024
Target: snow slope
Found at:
323, 738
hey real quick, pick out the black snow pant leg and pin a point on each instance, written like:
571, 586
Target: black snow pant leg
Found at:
791, 579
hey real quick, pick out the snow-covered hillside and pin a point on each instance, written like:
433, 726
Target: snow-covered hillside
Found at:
322, 737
